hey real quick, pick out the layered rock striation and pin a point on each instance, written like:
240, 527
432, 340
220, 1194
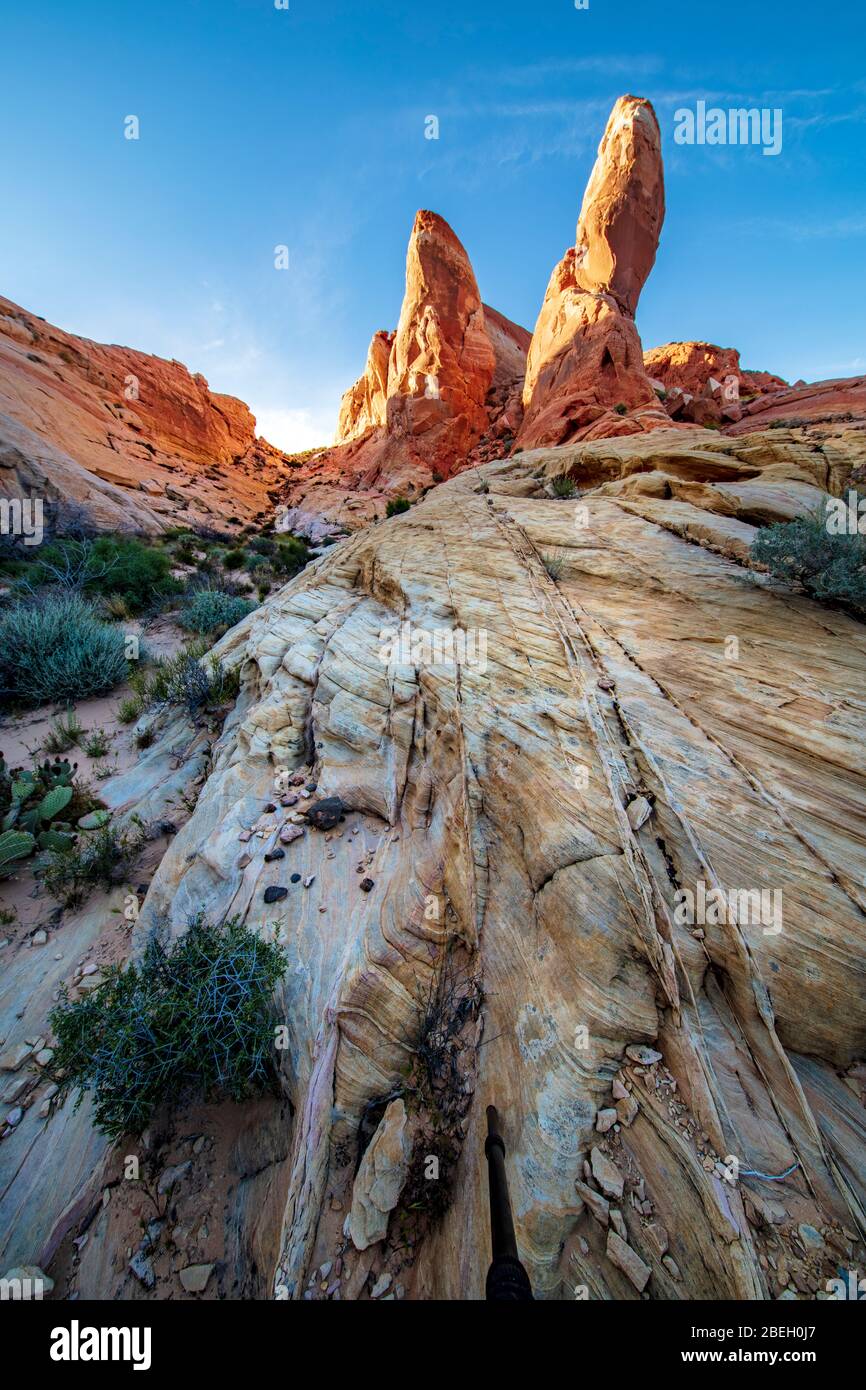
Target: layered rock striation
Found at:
541, 824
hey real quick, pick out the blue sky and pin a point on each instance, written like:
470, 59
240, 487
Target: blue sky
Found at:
305, 127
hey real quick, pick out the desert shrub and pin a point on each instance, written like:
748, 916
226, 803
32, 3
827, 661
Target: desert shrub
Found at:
829, 567
99, 858
194, 1019
58, 650
185, 552
621, 408
234, 559
196, 686
137, 573
108, 567
397, 505
563, 487
180, 680
438, 1087
96, 744
129, 709
213, 610
290, 556
64, 733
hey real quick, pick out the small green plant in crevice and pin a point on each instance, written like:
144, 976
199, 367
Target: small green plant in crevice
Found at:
564, 487
621, 408
803, 552
193, 1019
397, 505
99, 858
213, 611
58, 649
554, 563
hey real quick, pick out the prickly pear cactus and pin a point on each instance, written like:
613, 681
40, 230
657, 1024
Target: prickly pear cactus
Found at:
14, 844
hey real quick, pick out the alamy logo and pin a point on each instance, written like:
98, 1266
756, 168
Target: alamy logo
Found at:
738, 126
77, 1343
846, 517
745, 906
22, 517
444, 646
20, 1288
851, 1286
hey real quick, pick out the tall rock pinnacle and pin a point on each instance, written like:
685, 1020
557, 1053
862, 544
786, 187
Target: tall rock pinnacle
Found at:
442, 361
431, 377
585, 358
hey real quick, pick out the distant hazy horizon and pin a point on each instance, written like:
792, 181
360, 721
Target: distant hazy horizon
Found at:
261, 127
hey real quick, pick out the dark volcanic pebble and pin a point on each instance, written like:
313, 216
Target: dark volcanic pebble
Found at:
366, 885
324, 815
275, 894
296, 878
275, 854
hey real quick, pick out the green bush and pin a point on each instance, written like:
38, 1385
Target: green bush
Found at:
58, 650
181, 680
107, 567
234, 559
829, 567
139, 574
397, 505
99, 858
564, 487
213, 610
195, 1019
290, 556
195, 686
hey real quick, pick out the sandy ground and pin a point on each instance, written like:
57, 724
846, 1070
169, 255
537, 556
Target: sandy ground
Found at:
22, 737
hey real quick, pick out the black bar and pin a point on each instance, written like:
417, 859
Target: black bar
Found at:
507, 1280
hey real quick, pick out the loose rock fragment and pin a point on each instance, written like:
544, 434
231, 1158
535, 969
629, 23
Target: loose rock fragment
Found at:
628, 1261
195, 1277
645, 1056
606, 1174
597, 1204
